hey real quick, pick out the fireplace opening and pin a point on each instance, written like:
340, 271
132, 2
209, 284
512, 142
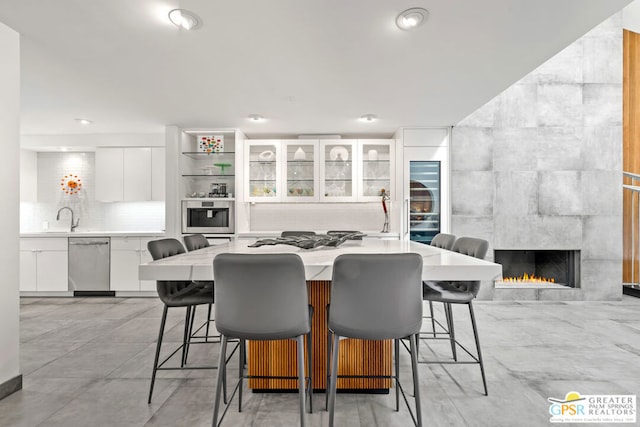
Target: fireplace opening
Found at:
539, 268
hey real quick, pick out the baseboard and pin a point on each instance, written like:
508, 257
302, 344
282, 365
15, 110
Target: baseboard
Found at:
94, 293
10, 386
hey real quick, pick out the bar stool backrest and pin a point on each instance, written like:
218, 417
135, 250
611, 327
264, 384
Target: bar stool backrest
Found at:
473, 247
168, 290
260, 296
443, 241
195, 242
376, 296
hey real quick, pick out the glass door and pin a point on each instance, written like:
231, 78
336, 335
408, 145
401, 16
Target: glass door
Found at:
426, 208
300, 171
376, 169
263, 171
337, 173
424, 200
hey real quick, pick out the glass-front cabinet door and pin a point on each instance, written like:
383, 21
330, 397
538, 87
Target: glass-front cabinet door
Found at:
300, 171
376, 169
338, 170
263, 170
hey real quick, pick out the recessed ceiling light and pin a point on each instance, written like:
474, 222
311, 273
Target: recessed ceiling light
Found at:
184, 19
412, 18
256, 117
368, 118
84, 121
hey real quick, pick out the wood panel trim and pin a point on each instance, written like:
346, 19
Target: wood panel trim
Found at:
630, 152
357, 357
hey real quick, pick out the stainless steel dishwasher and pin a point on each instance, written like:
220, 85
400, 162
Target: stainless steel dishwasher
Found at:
89, 266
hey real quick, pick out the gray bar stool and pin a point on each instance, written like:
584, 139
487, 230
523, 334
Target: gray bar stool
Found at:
442, 241
194, 242
262, 297
175, 294
460, 293
376, 297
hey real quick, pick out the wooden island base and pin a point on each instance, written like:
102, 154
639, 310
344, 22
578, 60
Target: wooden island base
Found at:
357, 357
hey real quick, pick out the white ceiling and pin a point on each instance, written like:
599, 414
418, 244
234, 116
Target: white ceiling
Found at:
308, 66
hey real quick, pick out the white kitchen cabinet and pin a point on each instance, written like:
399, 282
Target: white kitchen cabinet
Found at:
109, 174
127, 253
300, 171
376, 169
340, 170
338, 177
158, 174
136, 173
44, 264
263, 171
128, 174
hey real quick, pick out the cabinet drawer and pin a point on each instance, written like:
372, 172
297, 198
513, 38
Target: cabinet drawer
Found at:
44, 244
125, 243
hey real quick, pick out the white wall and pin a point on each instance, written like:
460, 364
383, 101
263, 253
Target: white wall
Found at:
9, 214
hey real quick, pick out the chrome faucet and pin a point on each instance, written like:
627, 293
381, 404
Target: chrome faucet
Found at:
74, 224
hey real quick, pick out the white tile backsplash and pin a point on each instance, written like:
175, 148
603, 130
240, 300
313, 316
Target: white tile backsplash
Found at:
94, 215
317, 216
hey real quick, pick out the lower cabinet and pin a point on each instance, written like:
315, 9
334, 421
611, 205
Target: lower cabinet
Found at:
127, 253
44, 265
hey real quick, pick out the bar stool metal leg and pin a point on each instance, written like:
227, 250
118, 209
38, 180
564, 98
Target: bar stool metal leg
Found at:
310, 368
334, 377
396, 348
158, 345
416, 385
452, 333
477, 339
221, 372
301, 378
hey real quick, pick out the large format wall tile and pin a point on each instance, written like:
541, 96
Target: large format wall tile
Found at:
516, 193
560, 193
603, 59
472, 149
537, 232
602, 193
559, 148
560, 105
602, 148
472, 193
602, 104
601, 238
515, 149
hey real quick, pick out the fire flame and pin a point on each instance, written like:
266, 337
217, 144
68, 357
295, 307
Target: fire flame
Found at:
528, 278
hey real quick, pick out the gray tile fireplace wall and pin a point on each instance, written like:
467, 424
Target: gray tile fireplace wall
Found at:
539, 166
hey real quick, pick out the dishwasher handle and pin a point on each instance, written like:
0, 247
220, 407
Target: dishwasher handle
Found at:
88, 243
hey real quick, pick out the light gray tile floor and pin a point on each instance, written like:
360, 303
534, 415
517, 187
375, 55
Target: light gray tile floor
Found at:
87, 362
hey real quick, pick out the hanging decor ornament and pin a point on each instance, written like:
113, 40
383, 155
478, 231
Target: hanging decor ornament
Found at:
70, 184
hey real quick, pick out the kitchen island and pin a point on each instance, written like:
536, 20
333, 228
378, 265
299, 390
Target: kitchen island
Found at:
357, 357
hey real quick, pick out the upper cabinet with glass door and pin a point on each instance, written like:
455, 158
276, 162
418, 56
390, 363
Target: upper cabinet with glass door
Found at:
300, 171
338, 160
263, 171
376, 167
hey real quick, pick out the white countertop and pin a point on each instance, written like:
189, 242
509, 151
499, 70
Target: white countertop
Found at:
438, 264
83, 233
